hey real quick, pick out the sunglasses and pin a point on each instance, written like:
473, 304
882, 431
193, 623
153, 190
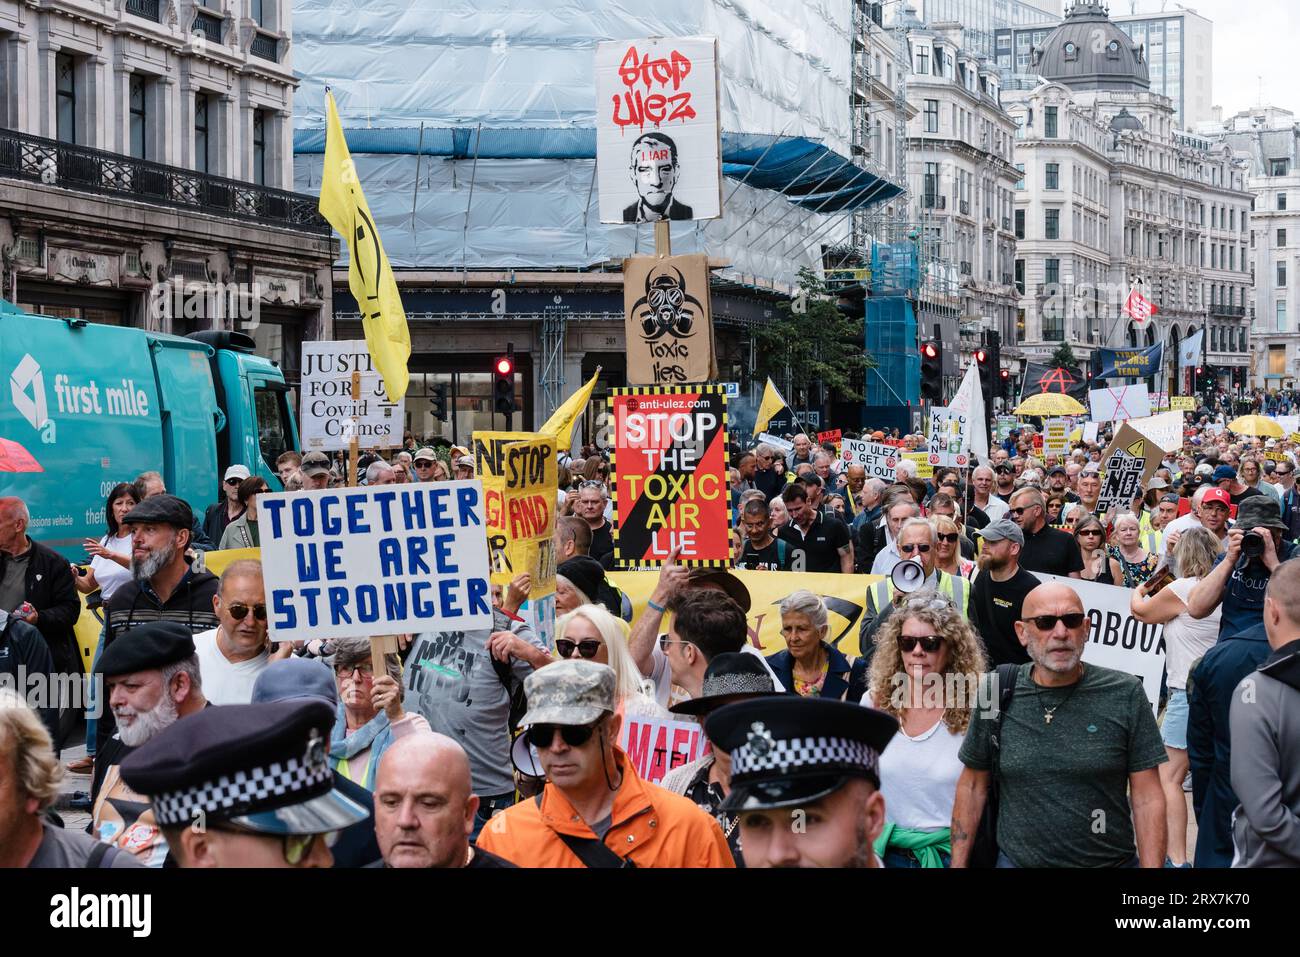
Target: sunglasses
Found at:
239, 611
540, 736
949, 537
1090, 531
929, 644
1048, 622
233, 481
1021, 510
587, 648
908, 549
423, 464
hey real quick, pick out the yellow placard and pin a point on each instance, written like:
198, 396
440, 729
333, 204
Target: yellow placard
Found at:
518, 472
1182, 403
924, 470
845, 597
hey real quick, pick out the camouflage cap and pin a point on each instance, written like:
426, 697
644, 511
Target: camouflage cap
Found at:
569, 692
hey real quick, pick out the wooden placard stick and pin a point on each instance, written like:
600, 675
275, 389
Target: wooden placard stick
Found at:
354, 444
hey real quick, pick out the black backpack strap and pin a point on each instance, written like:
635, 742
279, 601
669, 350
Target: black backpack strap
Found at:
1007, 675
592, 853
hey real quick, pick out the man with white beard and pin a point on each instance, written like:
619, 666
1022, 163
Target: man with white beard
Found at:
152, 679
164, 586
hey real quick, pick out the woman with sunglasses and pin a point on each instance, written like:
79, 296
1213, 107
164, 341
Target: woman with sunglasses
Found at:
947, 548
228, 507
1055, 503
369, 716
810, 665
591, 633
1186, 640
243, 531
927, 657
1135, 562
1098, 565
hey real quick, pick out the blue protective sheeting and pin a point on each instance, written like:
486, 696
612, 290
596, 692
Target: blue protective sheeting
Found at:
814, 177
891, 342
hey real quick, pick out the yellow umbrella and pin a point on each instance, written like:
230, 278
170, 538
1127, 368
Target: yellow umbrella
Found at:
1256, 425
1051, 403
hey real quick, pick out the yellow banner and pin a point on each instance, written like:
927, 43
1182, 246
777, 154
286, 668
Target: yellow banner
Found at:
845, 597
924, 470
1182, 403
520, 492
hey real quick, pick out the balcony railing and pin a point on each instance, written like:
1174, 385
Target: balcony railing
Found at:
934, 202
147, 9
53, 163
1218, 309
266, 47
209, 25
965, 269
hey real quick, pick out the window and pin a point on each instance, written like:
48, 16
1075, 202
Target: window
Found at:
1281, 200
923, 60
1281, 316
259, 147
202, 152
1281, 275
1049, 122
273, 417
255, 11
932, 116
1052, 272
1277, 167
1020, 183
1281, 237
65, 72
1020, 224
1020, 276
1052, 225
1053, 176
931, 185
139, 148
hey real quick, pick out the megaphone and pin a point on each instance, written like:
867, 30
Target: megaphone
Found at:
908, 576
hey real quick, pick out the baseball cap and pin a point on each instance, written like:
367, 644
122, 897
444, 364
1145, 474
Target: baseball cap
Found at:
1224, 472
1056, 469
570, 692
237, 471
1003, 528
424, 453
315, 463
1218, 495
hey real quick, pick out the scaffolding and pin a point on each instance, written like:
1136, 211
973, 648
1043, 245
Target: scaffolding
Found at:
554, 326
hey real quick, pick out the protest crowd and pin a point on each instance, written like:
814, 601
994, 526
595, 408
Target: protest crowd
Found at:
935, 687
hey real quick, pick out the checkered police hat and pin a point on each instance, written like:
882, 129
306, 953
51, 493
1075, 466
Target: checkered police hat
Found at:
261, 766
788, 750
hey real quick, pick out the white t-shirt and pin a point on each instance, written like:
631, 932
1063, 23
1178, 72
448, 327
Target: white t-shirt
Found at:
1187, 638
110, 575
224, 681
661, 673
918, 776
996, 508
1182, 524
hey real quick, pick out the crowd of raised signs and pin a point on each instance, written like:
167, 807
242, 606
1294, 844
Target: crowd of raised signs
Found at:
947, 711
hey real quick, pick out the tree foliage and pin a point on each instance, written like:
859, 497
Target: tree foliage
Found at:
1063, 357
813, 341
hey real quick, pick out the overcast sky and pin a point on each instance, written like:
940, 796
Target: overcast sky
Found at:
1252, 39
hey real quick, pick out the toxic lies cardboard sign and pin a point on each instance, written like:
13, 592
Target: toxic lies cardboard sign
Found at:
668, 323
670, 468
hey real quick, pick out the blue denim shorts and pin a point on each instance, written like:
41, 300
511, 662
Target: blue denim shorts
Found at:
1173, 730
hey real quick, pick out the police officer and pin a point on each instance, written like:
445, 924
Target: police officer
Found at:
805, 779
245, 786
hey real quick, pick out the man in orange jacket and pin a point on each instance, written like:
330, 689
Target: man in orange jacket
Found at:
595, 811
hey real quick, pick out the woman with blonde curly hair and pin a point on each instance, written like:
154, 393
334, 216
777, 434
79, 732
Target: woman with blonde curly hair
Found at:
926, 673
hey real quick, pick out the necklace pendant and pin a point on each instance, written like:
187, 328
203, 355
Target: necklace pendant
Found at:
1047, 718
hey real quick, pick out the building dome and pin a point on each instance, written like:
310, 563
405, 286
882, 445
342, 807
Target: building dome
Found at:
1125, 121
1088, 52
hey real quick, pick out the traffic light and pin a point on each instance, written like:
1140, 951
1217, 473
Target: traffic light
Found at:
982, 357
1005, 383
439, 402
932, 372
503, 381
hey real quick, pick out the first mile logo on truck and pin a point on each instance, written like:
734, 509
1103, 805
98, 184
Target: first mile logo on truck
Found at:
90, 399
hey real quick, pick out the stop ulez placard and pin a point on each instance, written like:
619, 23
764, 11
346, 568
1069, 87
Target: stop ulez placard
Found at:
670, 475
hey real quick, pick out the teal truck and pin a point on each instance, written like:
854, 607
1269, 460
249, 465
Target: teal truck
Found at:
91, 405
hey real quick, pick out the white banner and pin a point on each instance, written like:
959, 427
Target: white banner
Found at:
879, 460
388, 560
658, 150
949, 437
656, 746
1164, 430
1089, 432
775, 442
1115, 638
1289, 423
330, 414
1119, 403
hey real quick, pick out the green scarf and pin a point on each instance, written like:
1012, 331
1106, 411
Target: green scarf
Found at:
926, 845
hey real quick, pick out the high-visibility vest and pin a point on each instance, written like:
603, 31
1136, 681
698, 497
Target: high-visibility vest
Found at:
955, 588
1153, 541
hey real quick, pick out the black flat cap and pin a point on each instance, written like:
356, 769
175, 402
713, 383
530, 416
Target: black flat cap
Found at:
730, 677
161, 510
155, 644
260, 766
787, 750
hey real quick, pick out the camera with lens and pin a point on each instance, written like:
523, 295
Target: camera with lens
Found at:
1252, 544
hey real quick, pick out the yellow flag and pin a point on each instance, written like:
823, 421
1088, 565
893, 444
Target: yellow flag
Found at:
772, 404
370, 277
560, 424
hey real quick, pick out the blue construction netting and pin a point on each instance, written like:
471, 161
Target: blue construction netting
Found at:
891, 342
814, 177
894, 269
